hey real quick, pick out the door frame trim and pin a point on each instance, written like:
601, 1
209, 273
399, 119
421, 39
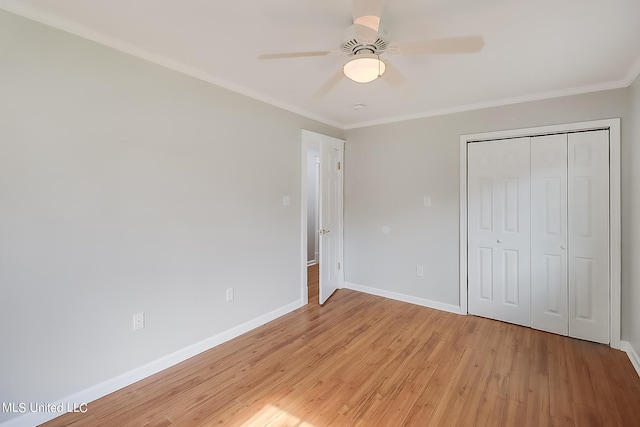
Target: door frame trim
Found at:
615, 236
314, 139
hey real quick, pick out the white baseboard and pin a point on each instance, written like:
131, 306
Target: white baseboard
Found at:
30, 419
403, 297
633, 355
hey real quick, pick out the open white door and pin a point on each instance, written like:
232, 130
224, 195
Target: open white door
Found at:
331, 192
330, 216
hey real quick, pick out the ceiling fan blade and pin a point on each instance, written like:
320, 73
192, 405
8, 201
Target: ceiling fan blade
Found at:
329, 84
393, 76
366, 19
294, 54
470, 44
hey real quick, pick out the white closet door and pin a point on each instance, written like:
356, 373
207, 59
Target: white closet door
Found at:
588, 174
549, 294
498, 224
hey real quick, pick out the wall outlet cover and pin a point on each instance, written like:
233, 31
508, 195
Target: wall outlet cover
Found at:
138, 321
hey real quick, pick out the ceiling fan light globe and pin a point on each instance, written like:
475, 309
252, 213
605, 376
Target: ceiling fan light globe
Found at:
364, 69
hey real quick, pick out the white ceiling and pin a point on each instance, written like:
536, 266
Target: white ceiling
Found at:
533, 49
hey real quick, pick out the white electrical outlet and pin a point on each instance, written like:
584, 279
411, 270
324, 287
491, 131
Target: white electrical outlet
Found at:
286, 200
427, 202
229, 294
138, 321
419, 271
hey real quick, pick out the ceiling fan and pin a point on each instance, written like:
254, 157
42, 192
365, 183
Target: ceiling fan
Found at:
366, 40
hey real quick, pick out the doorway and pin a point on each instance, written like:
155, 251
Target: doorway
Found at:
322, 216
313, 223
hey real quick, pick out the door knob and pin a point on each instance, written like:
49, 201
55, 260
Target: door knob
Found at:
499, 240
563, 246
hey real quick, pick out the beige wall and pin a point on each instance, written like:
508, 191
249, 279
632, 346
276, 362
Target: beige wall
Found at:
392, 167
124, 188
631, 225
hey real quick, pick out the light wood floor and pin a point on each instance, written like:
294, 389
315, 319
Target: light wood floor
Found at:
313, 282
362, 360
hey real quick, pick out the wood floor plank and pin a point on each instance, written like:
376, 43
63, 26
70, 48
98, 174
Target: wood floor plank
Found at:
538, 400
362, 360
560, 389
77, 420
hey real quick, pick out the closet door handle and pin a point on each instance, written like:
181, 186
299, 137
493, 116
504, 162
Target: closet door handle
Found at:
563, 246
499, 240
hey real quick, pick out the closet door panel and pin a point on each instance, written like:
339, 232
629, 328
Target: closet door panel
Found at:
498, 239
588, 213
549, 292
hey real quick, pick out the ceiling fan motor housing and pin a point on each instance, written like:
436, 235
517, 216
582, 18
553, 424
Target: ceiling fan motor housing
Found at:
351, 46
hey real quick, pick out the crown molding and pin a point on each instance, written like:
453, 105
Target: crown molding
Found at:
502, 102
633, 73
54, 21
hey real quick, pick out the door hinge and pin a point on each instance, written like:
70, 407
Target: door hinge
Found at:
338, 165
